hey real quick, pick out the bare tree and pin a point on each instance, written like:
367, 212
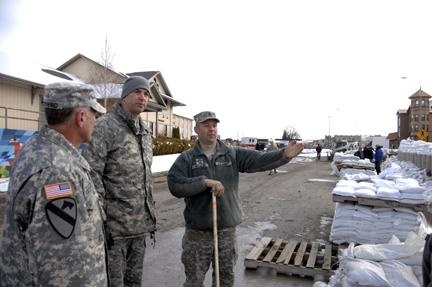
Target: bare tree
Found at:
290, 133
104, 78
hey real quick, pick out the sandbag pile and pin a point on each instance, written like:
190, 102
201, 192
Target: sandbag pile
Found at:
395, 263
400, 189
360, 224
353, 168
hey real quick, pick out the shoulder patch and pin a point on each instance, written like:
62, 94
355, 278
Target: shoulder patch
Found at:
58, 190
62, 215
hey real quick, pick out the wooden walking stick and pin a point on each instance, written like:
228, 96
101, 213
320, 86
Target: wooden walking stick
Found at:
215, 240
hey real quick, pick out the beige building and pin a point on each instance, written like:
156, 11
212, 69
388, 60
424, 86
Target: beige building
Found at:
159, 115
21, 89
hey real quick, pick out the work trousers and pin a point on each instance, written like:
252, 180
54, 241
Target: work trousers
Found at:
198, 254
378, 166
125, 262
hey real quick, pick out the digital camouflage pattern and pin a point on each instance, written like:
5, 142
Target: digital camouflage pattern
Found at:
197, 255
206, 115
71, 95
32, 252
117, 263
121, 155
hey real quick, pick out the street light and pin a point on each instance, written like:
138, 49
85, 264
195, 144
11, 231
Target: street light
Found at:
329, 136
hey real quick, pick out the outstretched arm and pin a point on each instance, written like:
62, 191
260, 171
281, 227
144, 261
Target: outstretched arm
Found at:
292, 150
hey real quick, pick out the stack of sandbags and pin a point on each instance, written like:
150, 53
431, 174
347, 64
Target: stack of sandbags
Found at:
373, 225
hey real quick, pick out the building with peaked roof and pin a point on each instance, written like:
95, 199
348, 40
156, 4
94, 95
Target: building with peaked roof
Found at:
22, 83
159, 114
21, 90
416, 118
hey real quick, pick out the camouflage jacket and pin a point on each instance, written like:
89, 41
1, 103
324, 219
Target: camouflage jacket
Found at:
53, 232
121, 156
185, 179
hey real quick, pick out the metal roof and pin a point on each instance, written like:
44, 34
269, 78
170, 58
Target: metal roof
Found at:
32, 73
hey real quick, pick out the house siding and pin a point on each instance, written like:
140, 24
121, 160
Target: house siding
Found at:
19, 109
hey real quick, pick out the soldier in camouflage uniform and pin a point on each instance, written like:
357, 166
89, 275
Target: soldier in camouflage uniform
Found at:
211, 166
120, 155
53, 231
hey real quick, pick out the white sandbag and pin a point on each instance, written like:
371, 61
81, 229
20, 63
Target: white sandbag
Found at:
399, 274
394, 250
363, 272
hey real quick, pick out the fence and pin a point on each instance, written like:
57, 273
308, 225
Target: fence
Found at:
11, 118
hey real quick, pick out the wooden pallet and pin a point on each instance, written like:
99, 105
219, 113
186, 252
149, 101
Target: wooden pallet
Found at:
378, 202
354, 166
294, 257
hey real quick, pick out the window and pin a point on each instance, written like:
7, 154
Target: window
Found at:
416, 118
423, 117
416, 103
416, 128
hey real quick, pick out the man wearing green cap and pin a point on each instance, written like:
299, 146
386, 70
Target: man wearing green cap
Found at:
53, 231
120, 155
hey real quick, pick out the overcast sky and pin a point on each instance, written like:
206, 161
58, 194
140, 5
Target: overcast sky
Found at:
317, 65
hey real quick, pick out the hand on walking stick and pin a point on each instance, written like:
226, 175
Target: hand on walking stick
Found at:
216, 186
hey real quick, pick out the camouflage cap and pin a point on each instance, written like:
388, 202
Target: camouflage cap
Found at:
63, 95
204, 116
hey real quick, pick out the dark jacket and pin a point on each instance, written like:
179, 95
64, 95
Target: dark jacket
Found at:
368, 153
360, 154
318, 149
185, 179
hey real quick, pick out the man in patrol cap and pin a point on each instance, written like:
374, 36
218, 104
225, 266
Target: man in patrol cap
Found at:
53, 232
213, 167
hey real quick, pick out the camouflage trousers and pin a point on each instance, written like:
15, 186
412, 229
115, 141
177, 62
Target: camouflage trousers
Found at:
125, 262
198, 254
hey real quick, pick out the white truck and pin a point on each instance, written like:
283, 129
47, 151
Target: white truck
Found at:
248, 142
380, 140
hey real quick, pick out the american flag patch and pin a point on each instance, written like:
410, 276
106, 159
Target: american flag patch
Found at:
57, 190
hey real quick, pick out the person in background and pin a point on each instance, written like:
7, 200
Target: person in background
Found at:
120, 155
359, 153
272, 147
53, 231
318, 150
368, 153
211, 166
379, 157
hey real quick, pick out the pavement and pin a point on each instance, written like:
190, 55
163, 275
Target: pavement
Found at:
162, 264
